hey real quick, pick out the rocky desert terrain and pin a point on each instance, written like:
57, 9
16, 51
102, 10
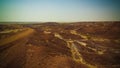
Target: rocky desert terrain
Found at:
60, 45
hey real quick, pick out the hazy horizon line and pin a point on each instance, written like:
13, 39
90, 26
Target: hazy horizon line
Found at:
23, 22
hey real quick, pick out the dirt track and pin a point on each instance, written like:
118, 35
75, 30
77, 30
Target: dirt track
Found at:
23, 34
13, 50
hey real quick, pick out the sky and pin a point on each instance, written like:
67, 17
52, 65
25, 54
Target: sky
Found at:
59, 10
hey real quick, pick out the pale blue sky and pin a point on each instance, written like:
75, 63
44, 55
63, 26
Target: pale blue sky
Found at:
59, 10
